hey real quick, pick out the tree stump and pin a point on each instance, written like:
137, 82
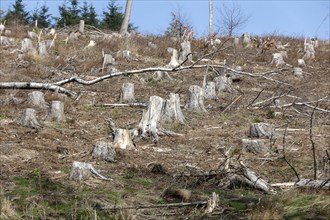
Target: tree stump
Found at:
104, 151
32, 35
151, 117
160, 75
186, 52
82, 171
195, 100
36, 99
297, 71
27, 46
301, 62
277, 59
82, 26
127, 93
29, 119
235, 77
209, 91
107, 62
246, 40
172, 111
223, 83
123, 139
255, 146
42, 48
236, 41
127, 55
56, 112
174, 59
6, 41
259, 130
309, 51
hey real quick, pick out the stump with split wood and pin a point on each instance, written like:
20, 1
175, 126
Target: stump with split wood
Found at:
104, 151
258, 146
186, 52
277, 59
260, 130
195, 100
29, 118
36, 99
127, 93
123, 139
56, 112
172, 111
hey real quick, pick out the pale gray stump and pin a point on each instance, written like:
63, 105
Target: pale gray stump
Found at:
223, 83
36, 99
209, 91
2, 28
56, 112
246, 39
104, 151
82, 26
27, 46
186, 52
236, 76
83, 171
42, 48
301, 62
32, 35
172, 111
277, 59
29, 118
148, 125
297, 71
127, 93
195, 99
123, 139
309, 51
6, 41
255, 146
152, 45
107, 61
174, 59
160, 75
259, 130
127, 55
236, 41
7, 32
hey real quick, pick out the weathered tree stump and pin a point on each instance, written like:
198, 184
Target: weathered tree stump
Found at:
172, 111
209, 91
148, 125
255, 146
56, 112
277, 59
160, 75
195, 100
27, 46
29, 118
259, 130
36, 99
174, 59
42, 48
223, 83
236, 41
123, 139
104, 151
301, 62
127, 55
107, 61
32, 35
246, 39
297, 71
83, 171
309, 51
6, 41
186, 52
127, 93
82, 26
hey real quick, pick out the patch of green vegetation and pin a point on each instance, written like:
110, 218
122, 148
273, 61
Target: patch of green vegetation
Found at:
114, 196
65, 169
114, 111
3, 116
237, 205
151, 80
270, 113
57, 125
257, 120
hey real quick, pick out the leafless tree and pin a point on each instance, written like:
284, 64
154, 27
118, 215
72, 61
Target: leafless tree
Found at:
232, 18
124, 25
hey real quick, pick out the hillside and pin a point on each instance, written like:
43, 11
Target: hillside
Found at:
36, 162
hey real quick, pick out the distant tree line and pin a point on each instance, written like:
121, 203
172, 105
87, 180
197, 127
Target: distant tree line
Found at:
70, 13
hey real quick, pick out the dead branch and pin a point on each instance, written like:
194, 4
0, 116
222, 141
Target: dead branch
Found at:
313, 144
181, 204
134, 104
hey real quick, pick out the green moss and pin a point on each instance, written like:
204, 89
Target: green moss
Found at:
237, 205
3, 116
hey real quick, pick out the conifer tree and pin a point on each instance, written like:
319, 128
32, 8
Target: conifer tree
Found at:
113, 17
88, 14
69, 15
17, 15
41, 14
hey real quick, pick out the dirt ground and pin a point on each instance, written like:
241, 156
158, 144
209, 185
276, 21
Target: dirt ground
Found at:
36, 163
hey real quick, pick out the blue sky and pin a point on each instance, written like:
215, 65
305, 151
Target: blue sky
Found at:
290, 18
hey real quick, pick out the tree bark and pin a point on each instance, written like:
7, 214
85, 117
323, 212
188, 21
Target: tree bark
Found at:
209, 91
127, 93
56, 112
29, 118
195, 100
223, 83
124, 25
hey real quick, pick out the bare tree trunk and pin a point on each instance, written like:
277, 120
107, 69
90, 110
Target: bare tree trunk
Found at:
82, 26
211, 17
124, 25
